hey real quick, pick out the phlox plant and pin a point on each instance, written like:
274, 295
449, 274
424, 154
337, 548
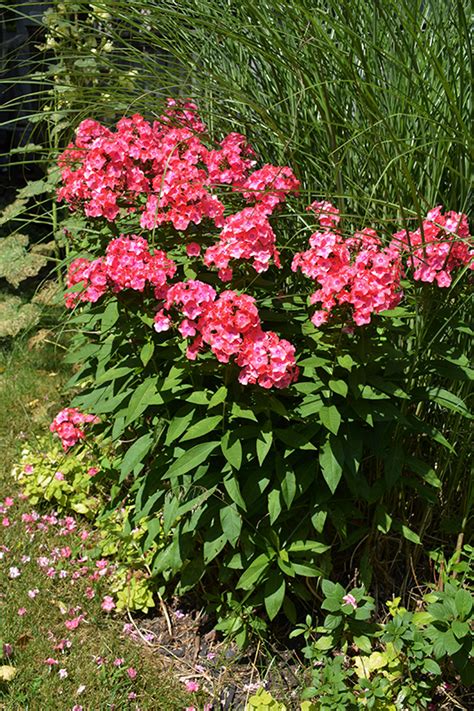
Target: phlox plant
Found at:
259, 369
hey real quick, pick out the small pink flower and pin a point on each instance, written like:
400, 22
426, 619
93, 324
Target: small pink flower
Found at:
62, 673
84, 535
92, 471
74, 622
193, 249
7, 650
179, 614
9, 501
191, 686
108, 603
22, 611
33, 593
76, 707
350, 600
118, 662
132, 673
89, 593
50, 661
59, 476
14, 572
28, 468
132, 696
5, 521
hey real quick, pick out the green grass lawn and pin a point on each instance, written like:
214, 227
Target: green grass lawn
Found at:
66, 650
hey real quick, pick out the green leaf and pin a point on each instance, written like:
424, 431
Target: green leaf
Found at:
274, 505
410, 535
110, 316
431, 667
146, 352
233, 489
191, 459
213, 544
288, 487
218, 397
144, 396
254, 572
232, 449
135, 454
330, 418
231, 523
264, 442
170, 512
463, 602
331, 459
339, 387
242, 413
201, 428
113, 374
179, 424
274, 593
308, 547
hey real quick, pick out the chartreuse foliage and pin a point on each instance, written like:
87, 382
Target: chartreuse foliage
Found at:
70, 484
397, 664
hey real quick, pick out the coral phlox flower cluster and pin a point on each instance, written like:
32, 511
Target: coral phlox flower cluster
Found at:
67, 425
230, 325
248, 234
358, 272
440, 246
128, 264
166, 173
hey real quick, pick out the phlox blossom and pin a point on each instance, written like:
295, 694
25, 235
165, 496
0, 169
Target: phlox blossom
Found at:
440, 246
67, 423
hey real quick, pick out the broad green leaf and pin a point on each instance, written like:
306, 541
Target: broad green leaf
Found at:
110, 316
463, 602
213, 545
231, 523
113, 374
198, 398
146, 352
274, 505
410, 535
331, 459
339, 387
233, 489
274, 593
232, 449
170, 512
218, 398
135, 454
254, 572
330, 418
179, 424
288, 487
191, 459
201, 428
264, 442
242, 413
144, 396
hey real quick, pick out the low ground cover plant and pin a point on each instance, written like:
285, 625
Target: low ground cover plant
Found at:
268, 405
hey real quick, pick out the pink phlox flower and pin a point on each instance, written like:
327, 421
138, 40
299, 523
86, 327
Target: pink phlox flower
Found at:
350, 600
108, 603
